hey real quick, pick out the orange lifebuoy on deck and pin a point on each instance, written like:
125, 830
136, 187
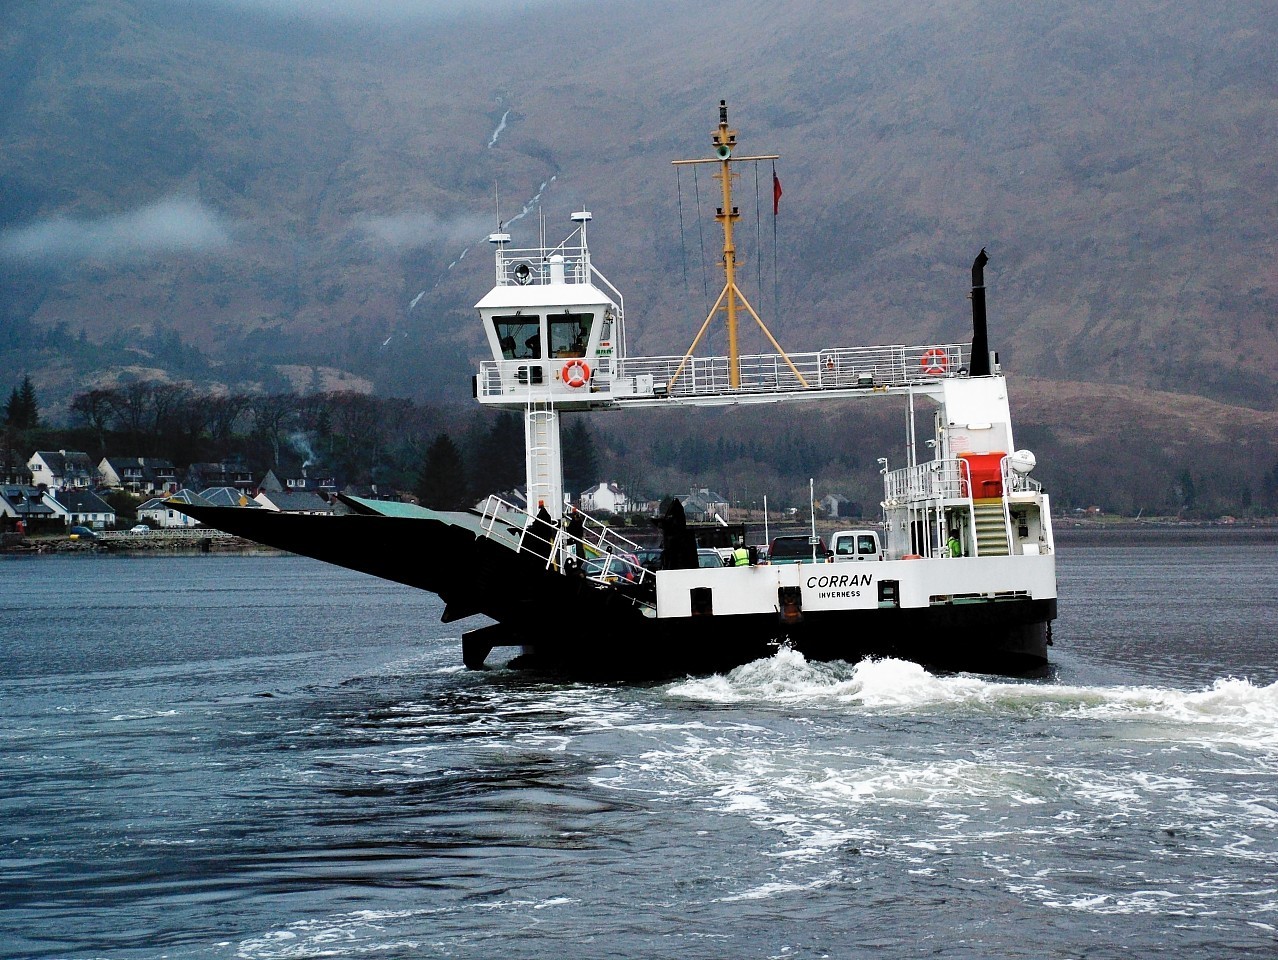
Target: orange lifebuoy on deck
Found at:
576, 373
935, 362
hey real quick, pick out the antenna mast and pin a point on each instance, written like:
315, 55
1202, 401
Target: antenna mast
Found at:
731, 298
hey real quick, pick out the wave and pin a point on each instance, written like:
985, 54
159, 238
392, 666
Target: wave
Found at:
896, 685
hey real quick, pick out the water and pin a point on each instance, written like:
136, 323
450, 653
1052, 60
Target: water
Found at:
264, 757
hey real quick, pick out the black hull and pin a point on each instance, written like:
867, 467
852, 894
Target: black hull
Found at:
568, 624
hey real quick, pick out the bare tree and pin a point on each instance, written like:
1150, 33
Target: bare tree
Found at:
273, 417
95, 409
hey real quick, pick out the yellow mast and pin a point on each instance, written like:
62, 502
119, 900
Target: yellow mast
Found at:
725, 140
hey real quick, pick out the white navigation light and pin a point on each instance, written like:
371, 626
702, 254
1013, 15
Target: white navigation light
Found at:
1022, 461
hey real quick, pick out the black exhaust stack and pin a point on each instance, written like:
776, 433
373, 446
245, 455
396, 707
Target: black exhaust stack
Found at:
979, 364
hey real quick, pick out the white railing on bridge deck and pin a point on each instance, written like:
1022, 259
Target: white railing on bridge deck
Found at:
933, 480
832, 369
513, 526
532, 266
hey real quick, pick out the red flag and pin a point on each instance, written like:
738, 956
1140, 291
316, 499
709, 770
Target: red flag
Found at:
776, 194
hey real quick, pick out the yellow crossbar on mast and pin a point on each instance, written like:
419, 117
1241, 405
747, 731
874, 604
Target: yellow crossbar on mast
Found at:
725, 141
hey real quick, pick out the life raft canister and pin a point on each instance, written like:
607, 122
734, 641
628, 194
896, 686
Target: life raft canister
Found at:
934, 362
576, 373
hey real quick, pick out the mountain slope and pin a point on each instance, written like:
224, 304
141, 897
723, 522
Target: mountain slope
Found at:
281, 188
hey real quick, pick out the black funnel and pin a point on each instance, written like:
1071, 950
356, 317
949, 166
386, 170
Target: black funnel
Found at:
979, 364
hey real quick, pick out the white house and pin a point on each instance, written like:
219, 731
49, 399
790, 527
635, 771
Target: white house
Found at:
138, 474
605, 498
82, 508
158, 513
62, 470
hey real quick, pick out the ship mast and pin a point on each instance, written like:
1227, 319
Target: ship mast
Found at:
731, 298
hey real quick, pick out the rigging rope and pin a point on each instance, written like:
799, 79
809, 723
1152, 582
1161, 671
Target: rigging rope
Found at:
758, 233
776, 299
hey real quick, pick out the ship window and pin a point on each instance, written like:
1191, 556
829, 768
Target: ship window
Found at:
519, 337
866, 545
569, 333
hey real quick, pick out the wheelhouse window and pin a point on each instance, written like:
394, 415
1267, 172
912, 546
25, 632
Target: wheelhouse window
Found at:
519, 337
569, 333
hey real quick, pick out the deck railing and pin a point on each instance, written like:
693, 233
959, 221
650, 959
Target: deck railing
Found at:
933, 480
846, 368
555, 545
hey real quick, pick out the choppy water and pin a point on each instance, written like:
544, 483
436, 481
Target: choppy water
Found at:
263, 757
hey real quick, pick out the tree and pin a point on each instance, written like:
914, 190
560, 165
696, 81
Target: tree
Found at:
499, 463
22, 412
95, 408
581, 462
441, 484
273, 415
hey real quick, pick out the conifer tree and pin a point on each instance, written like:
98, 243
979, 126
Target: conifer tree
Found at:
581, 462
22, 412
441, 483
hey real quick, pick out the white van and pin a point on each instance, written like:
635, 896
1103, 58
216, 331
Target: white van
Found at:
856, 545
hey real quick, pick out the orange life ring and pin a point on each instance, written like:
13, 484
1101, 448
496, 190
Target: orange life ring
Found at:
934, 362
576, 373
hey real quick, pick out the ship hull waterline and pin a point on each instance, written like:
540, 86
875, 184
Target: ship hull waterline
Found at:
570, 625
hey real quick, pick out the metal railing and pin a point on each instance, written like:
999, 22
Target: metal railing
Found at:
1014, 482
848, 367
532, 266
835, 369
933, 480
555, 546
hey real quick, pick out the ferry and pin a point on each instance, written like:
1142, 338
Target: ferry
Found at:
962, 579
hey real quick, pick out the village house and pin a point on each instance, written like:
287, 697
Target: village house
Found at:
138, 475
25, 509
82, 508
229, 497
62, 470
605, 498
13, 469
704, 505
159, 513
294, 501
224, 473
272, 483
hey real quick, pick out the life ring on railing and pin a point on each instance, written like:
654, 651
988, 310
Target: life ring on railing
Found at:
934, 362
576, 373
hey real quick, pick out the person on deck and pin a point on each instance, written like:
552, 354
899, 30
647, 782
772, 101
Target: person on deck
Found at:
954, 546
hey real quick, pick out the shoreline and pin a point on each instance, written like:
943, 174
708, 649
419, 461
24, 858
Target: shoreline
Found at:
1067, 531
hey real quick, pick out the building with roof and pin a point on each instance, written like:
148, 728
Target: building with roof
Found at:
224, 473
82, 508
605, 497
62, 470
138, 475
26, 509
160, 513
13, 469
293, 501
229, 497
705, 505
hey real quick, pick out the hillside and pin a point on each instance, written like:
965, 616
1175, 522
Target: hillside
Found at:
226, 191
